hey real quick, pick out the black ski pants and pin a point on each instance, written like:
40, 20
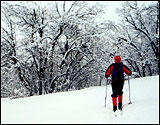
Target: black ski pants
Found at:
117, 87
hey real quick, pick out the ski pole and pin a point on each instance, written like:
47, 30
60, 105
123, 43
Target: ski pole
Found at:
129, 92
106, 94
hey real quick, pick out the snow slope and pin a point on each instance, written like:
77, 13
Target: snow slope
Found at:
86, 106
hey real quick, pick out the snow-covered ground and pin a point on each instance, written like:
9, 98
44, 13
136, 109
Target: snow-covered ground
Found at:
86, 106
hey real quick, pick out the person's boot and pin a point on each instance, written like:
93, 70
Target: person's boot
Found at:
114, 101
120, 106
114, 108
120, 102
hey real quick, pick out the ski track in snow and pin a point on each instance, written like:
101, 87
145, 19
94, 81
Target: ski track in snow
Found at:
86, 106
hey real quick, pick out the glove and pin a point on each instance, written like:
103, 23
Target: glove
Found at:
106, 76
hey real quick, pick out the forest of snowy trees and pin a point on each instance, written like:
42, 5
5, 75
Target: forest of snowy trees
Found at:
61, 46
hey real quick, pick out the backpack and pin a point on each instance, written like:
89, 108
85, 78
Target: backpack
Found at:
118, 72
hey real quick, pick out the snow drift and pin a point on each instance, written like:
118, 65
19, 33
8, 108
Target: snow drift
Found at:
86, 106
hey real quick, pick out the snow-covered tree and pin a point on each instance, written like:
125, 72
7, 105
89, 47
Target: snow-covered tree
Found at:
140, 37
59, 45
10, 85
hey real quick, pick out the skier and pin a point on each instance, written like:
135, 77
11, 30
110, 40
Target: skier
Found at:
117, 70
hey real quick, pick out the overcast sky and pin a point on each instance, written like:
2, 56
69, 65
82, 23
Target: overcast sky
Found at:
113, 5
110, 9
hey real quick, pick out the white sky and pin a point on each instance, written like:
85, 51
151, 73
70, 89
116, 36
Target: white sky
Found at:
113, 5
110, 9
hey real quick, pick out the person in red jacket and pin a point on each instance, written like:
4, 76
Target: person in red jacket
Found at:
116, 70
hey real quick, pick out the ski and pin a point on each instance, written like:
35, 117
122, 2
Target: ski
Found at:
123, 108
117, 113
121, 112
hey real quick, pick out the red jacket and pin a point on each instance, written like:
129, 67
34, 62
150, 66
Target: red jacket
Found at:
110, 68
